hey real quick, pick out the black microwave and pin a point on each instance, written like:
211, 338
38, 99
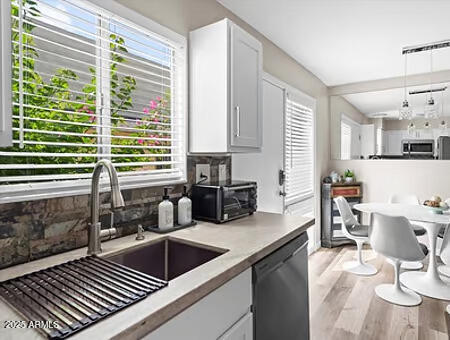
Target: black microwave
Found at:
223, 201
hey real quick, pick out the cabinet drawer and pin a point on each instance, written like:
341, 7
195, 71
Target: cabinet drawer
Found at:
241, 330
348, 191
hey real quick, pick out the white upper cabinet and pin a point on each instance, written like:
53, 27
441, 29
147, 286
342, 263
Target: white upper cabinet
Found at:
225, 90
246, 58
394, 142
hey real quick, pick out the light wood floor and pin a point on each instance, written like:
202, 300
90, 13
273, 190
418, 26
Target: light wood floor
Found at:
344, 306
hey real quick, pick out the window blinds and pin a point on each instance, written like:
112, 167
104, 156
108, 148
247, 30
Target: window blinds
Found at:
88, 85
299, 152
346, 140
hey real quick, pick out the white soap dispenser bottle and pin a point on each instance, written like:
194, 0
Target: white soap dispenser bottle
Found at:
165, 212
184, 209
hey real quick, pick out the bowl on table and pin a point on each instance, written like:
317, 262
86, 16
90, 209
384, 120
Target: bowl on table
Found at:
436, 206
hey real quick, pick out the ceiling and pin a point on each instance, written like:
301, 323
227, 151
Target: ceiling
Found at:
346, 41
386, 104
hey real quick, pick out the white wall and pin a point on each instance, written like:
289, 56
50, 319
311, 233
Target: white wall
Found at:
381, 178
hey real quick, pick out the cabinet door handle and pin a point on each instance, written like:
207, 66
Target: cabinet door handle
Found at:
238, 121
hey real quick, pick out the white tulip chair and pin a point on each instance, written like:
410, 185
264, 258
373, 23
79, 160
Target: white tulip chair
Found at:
393, 237
357, 232
418, 230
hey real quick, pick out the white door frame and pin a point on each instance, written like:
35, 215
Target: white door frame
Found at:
286, 87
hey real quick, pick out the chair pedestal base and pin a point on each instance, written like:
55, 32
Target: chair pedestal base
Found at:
408, 265
402, 297
412, 265
358, 268
444, 270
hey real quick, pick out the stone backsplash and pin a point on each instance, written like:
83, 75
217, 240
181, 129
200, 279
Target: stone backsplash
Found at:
35, 229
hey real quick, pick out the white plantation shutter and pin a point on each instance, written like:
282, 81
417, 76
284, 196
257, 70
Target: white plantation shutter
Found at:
346, 140
299, 155
87, 85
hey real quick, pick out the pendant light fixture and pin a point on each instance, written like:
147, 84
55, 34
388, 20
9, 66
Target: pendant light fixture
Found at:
405, 111
443, 125
430, 106
411, 128
427, 125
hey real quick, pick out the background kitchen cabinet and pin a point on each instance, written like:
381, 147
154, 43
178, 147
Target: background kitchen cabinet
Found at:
394, 142
225, 90
368, 140
223, 314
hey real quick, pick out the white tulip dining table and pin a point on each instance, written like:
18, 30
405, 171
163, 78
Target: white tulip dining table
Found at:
427, 283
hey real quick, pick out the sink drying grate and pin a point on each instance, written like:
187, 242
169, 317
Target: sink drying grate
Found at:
76, 294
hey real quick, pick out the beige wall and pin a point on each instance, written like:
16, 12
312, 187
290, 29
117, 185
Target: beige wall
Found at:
183, 16
381, 178
378, 122
338, 106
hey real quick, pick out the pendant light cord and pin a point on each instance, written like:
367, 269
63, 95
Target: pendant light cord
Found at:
431, 72
404, 78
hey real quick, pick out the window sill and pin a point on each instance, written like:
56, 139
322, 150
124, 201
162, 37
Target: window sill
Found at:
39, 191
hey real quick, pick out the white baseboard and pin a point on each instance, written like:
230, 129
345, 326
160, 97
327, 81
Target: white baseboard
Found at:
314, 248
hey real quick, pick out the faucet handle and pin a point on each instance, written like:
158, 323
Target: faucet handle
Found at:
140, 233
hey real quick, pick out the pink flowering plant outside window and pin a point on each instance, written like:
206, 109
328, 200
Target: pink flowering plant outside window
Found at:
155, 126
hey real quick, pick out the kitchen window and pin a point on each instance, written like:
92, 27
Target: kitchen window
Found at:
88, 84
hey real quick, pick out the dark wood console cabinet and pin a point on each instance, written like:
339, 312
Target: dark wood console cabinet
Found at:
331, 220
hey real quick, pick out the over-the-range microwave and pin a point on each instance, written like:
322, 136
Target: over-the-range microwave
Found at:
418, 147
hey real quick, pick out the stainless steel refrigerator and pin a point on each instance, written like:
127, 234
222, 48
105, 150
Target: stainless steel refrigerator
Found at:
443, 147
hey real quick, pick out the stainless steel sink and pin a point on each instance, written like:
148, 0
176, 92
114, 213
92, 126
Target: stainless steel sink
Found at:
166, 259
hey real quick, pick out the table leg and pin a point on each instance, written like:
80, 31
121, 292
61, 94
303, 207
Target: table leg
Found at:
429, 283
444, 269
432, 272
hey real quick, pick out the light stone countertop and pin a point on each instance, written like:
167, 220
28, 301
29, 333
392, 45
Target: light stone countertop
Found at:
247, 240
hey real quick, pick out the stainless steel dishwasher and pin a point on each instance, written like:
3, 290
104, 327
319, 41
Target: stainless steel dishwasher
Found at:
280, 293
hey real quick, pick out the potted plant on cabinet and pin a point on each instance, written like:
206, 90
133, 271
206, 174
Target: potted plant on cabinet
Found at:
349, 176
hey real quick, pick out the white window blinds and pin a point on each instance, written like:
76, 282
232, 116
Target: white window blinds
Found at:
346, 140
299, 152
87, 85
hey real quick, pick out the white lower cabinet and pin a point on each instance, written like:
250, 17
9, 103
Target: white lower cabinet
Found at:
223, 314
241, 330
